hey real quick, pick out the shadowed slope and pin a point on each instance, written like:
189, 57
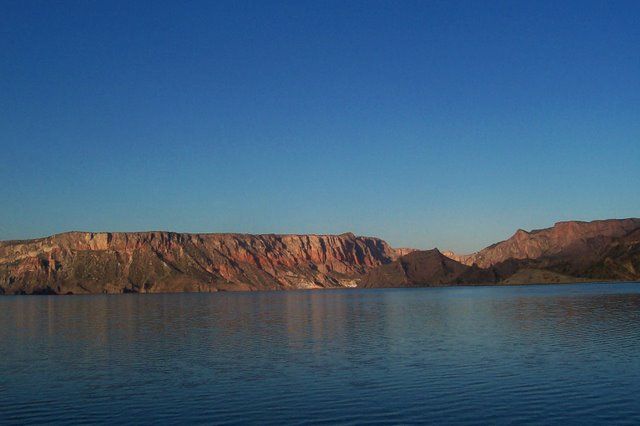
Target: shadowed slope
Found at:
426, 268
569, 252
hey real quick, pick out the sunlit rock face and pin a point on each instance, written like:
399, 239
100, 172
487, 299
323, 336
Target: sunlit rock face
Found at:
570, 239
607, 250
148, 262
82, 262
403, 251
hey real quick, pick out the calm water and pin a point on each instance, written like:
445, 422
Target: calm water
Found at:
536, 354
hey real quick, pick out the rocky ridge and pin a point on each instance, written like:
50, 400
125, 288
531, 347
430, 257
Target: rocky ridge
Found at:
147, 262
426, 268
605, 250
564, 238
85, 262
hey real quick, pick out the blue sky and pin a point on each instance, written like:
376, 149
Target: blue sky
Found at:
444, 123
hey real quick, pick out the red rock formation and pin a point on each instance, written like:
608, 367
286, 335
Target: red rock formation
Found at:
607, 250
452, 255
82, 262
403, 251
563, 239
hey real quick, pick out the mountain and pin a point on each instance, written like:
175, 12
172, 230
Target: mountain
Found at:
605, 250
620, 259
83, 262
426, 268
564, 239
147, 262
402, 251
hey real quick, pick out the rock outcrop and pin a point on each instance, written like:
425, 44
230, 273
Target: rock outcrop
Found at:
426, 268
83, 262
607, 250
147, 262
403, 251
563, 239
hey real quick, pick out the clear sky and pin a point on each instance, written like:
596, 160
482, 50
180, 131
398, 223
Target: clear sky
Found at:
442, 123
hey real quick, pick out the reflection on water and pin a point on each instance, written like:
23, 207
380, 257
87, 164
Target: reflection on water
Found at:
470, 354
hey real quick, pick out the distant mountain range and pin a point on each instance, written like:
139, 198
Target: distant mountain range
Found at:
149, 262
602, 250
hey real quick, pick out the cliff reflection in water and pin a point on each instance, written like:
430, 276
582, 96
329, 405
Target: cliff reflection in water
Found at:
486, 354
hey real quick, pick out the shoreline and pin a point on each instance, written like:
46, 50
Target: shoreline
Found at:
311, 290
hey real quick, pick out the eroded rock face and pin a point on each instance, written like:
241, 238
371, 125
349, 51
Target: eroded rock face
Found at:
403, 251
619, 259
607, 250
83, 262
571, 239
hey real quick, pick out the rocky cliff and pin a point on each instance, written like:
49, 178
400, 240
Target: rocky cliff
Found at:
572, 238
607, 250
146, 262
403, 251
82, 262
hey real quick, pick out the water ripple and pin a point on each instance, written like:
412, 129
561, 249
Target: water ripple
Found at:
497, 355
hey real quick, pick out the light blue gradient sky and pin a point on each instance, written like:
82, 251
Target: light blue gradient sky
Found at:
447, 124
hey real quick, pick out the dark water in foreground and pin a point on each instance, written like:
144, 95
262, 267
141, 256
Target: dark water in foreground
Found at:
536, 354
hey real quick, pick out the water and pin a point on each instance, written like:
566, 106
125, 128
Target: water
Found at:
534, 354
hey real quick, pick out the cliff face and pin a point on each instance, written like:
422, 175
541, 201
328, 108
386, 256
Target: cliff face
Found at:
564, 239
81, 262
620, 259
146, 262
403, 251
607, 250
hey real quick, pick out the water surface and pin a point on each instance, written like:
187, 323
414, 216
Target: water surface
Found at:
499, 355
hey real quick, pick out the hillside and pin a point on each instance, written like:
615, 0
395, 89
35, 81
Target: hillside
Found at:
82, 262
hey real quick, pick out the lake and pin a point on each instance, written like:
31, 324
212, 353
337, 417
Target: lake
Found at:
467, 355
